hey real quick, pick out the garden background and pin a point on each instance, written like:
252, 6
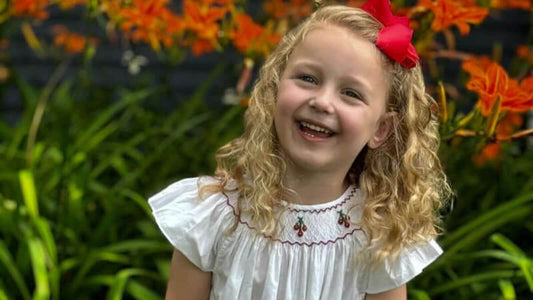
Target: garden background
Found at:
104, 102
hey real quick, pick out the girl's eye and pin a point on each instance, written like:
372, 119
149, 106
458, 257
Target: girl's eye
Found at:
307, 78
353, 94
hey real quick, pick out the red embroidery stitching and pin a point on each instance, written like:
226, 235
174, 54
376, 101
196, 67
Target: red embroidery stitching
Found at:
289, 242
344, 219
300, 226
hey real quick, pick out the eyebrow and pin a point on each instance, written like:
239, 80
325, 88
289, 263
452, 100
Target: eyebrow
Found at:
360, 82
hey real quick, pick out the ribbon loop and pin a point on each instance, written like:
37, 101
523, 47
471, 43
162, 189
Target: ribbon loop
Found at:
395, 37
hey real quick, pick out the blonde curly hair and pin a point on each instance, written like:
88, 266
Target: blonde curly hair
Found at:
402, 180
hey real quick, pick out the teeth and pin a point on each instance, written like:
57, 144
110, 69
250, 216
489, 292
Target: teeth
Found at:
315, 128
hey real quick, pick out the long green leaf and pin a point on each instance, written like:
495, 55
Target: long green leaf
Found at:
27, 185
3, 295
29, 94
498, 254
524, 262
507, 244
418, 294
138, 199
91, 260
140, 292
485, 218
96, 280
177, 133
43, 228
507, 288
11, 266
98, 137
40, 273
136, 245
125, 147
482, 231
108, 114
117, 288
454, 284
222, 124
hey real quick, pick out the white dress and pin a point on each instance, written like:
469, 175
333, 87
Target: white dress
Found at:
311, 258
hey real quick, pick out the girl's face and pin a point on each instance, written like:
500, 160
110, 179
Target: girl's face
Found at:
330, 102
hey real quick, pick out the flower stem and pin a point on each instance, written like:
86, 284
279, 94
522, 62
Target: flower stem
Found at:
41, 105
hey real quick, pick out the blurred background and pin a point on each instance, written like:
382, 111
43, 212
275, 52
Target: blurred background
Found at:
105, 102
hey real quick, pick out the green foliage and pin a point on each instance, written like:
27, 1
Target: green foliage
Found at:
74, 221
487, 246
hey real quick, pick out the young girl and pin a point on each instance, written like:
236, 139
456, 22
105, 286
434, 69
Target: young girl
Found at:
332, 190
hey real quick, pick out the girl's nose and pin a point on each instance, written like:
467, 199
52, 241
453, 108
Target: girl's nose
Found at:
323, 102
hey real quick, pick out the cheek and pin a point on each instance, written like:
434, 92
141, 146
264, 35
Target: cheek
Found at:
359, 126
287, 102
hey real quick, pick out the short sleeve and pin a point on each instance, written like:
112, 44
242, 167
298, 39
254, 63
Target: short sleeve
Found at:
192, 225
410, 262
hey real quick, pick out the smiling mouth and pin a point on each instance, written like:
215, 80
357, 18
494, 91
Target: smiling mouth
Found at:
314, 130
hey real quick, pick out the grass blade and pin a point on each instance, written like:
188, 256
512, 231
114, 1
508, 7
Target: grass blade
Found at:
91, 260
138, 199
137, 245
456, 283
483, 230
11, 266
524, 262
140, 292
418, 295
106, 115
27, 185
3, 295
117, 288
38, 263
507, 244
485, 218
176, 134
507, 289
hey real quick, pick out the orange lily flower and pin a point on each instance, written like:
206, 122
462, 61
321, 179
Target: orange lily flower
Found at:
112, 8
523, 52
173, 27
202, 19
250, 36
476, 66
490, 152
297, 9
150, 21
31, 8
522, 97
458, 13
506, 127
490, 81
72, 43
142, 14
519, 4
247, 31
201, 46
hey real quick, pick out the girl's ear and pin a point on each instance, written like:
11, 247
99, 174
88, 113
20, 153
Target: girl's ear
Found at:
383, 131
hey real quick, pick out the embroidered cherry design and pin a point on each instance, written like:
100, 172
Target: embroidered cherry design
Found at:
300, 226
343, 219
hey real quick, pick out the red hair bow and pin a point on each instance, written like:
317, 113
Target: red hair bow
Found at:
395, 38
